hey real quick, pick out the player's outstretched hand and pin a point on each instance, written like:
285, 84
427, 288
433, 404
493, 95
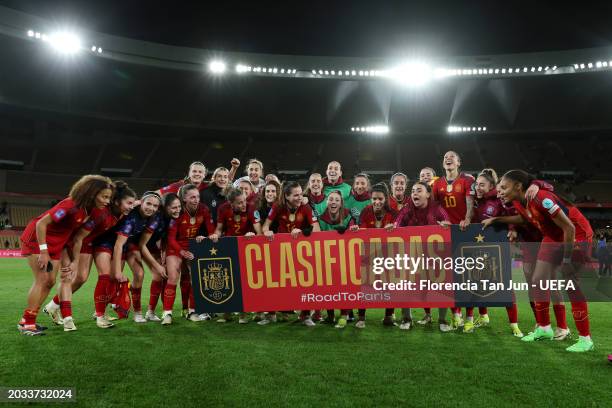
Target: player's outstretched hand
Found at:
269, 235
531, 192
488, 222
213, 237
249, 235
463, 224
200, 238
389, 227
444, 224
295, 233
235, 162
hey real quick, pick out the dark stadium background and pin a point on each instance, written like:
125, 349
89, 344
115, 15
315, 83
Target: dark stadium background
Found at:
144, 121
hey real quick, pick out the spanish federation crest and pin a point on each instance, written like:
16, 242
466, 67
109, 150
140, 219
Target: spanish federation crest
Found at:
492, 271
216, 279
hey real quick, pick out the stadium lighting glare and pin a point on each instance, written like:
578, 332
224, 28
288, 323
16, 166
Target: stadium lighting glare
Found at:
413, 74
217, 67
375, 129
590, 65
462, 129
64, 42
30, 33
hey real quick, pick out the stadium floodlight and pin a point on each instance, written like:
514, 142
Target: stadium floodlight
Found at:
93, 48
30, 33
598, 64
64, 42
503, 71
590, 65
217, 67
581, 66
411, 74
605, 63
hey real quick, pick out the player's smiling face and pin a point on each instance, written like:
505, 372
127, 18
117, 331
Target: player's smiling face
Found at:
192, 199
149, 206
246, 188
426, 176
197, 173
174, 209
294, 199
399, 186
315, 183
271, 193
507, 190
419, 195
360, 185
254, 172
451, 161
239, 204
221, 178
126, 205
378, 201
483, 186
333, 172
103, 198
334, 201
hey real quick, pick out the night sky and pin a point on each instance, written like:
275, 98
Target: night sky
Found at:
343, 28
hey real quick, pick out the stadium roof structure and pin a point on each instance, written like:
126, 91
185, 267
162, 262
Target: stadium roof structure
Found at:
120, 79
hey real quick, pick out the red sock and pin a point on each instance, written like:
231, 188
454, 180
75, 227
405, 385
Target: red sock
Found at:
111, 290
427, 310
66, 308
156, 289
580, 312
512, 313
482, 311
456, 310
469, 311
169, 296
56, 299
101, 294
136, 292
560, 315
185, 289
29, 317
542, 313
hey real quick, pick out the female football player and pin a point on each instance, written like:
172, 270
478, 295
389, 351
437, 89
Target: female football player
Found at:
565, 247
45, 239
423, 212
194, 222
379, 214
235, 219
293, 217
101, 220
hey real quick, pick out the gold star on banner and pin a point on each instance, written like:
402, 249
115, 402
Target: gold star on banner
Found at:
213, 251
479, 238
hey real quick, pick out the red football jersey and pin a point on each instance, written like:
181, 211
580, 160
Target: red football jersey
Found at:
413, 216
184, 228
100, 221
453, 196
301, 218
236, 224
66, 219
544, 207
176, 186
367, 218
398, 205
487, 207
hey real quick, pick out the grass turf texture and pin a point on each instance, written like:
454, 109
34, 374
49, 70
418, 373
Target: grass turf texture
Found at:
213, 364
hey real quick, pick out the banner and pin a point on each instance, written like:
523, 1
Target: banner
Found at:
10, 253
371, 268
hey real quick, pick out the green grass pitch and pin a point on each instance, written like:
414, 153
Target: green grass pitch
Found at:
211, 364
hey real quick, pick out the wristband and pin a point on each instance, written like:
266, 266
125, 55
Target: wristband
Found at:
42, 247
567, 260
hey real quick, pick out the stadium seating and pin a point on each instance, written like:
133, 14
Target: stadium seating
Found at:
21, 216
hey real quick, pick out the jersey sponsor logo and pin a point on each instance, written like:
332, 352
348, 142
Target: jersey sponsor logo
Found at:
458, 188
